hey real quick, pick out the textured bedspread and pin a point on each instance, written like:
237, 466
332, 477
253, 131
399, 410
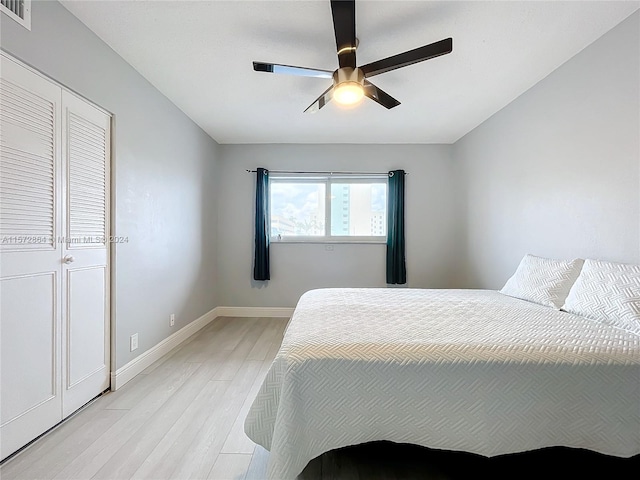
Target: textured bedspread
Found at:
469, 370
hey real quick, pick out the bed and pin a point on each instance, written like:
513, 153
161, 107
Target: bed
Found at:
464, 370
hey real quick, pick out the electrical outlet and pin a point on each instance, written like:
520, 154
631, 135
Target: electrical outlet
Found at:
172, 320
134, 341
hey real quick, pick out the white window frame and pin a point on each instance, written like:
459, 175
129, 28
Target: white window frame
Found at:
328, 180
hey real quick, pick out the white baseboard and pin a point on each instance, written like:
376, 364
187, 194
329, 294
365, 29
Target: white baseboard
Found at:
254, 311
138, 364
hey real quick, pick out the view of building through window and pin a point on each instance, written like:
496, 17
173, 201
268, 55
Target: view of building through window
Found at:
356, 209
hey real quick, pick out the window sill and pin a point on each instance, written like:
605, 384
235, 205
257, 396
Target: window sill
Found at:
331, 242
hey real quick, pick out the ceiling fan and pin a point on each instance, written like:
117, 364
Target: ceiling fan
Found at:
350, 83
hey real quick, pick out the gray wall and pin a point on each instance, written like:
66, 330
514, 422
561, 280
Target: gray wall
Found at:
556, 172
165, 174
296, 268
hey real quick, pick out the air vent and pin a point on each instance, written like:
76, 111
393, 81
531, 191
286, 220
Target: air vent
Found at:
18, 10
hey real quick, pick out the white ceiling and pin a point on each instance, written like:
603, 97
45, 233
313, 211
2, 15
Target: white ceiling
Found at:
199, 54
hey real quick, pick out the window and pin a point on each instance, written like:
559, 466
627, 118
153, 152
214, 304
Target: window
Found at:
349, 208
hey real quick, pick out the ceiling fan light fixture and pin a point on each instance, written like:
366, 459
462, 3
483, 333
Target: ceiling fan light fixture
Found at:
348, 93
348, 85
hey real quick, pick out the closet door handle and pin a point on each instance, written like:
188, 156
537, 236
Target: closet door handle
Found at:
68, 259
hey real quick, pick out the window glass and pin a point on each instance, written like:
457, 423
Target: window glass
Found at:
358, 209
326, 208
297, 209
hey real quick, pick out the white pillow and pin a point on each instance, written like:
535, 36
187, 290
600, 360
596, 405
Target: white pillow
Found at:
609, 292
543, 280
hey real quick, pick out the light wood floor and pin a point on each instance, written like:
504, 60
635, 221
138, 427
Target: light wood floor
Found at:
182, 418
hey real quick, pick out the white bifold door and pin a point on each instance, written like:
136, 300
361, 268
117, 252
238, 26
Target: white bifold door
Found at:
54, 254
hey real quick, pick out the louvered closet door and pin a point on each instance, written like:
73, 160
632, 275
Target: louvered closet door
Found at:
30, 257
86, 134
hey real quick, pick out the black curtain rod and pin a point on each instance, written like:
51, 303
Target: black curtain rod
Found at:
329, 173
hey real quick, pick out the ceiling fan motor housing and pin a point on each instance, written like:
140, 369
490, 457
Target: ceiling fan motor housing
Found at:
348, 75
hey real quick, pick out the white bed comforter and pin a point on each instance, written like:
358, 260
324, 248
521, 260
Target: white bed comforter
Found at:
469, 370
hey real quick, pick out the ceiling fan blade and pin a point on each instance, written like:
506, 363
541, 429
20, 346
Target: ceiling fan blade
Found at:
408, 58
291, 70
344, 26
379, 96
321, 101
